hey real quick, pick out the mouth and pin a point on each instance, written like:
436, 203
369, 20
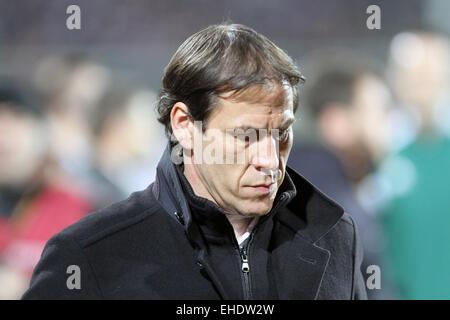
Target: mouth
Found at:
263, 189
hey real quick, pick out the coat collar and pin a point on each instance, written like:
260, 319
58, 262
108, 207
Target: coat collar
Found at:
311, 213
168, 191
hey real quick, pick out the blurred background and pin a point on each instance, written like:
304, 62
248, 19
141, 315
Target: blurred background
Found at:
78, 129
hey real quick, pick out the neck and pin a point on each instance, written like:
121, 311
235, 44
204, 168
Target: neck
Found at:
238, 222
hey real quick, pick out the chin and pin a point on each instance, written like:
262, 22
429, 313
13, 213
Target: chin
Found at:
257, 209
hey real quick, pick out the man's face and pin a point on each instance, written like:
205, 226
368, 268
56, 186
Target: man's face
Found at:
250, 143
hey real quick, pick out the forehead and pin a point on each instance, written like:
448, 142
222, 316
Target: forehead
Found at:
258, 106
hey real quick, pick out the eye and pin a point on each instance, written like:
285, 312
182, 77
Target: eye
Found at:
246, 135
243, 137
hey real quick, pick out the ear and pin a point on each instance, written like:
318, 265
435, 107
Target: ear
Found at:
182, 125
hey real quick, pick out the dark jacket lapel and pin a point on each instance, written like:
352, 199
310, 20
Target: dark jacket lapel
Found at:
299, 267
299, 263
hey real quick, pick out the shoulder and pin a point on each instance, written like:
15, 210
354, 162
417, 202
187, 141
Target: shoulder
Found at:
116, 218
75, 246
347, 223
345, 230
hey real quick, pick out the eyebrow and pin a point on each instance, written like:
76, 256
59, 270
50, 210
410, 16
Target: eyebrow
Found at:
284, 126
288, 123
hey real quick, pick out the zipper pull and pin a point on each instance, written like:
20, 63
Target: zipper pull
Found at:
245, 265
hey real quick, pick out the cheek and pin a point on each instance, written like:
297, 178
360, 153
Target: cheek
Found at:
232, 177
224, 177
285, 150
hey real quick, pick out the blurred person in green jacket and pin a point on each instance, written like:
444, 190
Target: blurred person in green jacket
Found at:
416, 177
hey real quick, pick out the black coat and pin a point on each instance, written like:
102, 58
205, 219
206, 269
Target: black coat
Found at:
159, 245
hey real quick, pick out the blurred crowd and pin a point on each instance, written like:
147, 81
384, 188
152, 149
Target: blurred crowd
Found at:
382, 151
76, 138
72, 140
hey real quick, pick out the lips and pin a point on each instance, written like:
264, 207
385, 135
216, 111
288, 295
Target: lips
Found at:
262, 188
262, 185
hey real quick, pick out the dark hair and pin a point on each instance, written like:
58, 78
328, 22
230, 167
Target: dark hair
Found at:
221, 58
332, 86
335, 74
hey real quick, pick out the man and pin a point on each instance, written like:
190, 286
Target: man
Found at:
225, 218
71, 103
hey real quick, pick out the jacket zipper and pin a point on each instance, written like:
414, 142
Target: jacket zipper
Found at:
245, 267
243, 253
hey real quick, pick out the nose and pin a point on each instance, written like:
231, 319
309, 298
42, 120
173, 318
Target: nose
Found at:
265, 156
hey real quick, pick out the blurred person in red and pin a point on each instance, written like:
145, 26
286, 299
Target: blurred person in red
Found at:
71, 86
349, 103
36, 201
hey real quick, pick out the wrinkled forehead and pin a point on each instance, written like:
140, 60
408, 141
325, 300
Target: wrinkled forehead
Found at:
257, 107
269, 94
